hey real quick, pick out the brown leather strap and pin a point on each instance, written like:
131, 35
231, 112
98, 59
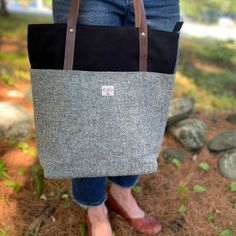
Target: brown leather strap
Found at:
137, 13
143, 39
140, 22
70, 35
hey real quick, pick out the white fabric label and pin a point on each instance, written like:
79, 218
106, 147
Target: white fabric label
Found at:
107, 90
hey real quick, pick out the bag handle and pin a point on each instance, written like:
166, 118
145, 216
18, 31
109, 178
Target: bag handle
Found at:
140, 22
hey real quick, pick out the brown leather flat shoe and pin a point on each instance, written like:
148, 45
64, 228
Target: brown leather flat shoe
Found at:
146, 224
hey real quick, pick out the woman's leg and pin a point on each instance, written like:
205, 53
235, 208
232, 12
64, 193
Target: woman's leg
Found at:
127, 181
121, 190
88, 192
91, 12
161, 14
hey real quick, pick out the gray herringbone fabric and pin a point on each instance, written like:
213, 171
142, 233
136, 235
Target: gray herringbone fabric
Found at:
81, 133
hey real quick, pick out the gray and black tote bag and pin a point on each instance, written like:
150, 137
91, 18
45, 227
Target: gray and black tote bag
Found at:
101, 95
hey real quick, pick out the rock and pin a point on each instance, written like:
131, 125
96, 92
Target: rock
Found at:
179, 109
223, 141
28, 95
190, 133
15, 121
171, 153
232, 119
227, 164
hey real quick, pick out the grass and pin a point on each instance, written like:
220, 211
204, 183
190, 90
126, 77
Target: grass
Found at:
210, 68
16, 24
206, 68
14, 64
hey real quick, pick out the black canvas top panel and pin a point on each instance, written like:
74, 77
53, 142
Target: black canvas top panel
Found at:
101, 48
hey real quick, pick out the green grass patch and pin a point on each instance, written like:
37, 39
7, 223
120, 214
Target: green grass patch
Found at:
3, 171
177, 163
233, 187
16, 186
182, 208
16, 24
210, 218
210, 67
199, 188
137, 189
226, 232
4, 231
204, 166
38, 179
14, 65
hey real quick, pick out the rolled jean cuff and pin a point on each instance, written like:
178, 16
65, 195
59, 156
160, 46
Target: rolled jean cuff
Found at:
125, 185
86, 205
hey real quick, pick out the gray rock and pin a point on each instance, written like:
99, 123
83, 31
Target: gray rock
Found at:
223, 141
227, 164
171, 153
190, 133
15, 121
232, 119
179, 109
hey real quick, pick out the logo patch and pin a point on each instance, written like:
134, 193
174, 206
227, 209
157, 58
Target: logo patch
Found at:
107, 90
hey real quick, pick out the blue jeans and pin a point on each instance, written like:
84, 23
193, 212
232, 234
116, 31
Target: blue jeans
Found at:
162, 15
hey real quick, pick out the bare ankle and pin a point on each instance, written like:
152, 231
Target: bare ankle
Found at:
98, 216
99, 211
119, 191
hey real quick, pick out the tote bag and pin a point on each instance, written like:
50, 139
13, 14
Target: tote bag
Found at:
101, 95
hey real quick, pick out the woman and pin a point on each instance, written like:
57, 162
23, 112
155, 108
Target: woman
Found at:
90, 193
